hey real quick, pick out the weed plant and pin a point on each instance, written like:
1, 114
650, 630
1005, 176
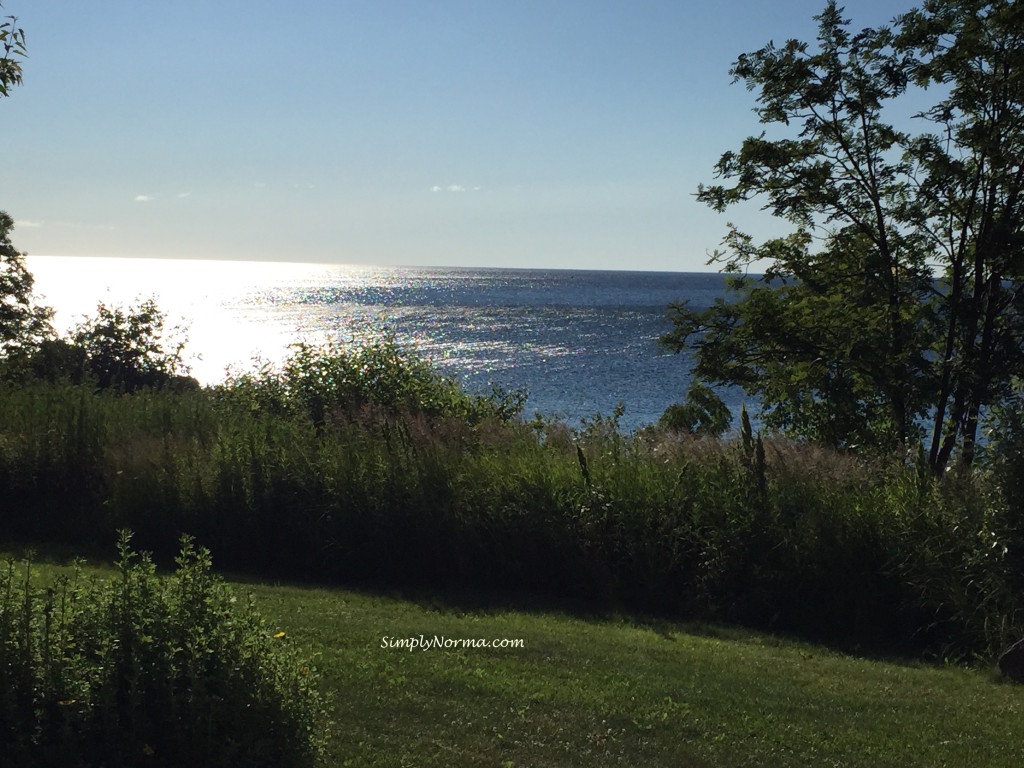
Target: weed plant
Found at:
137, 670
365, 467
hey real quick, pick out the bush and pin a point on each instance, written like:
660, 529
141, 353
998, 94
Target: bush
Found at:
137, 670
323, 382
129, 349
57, 360
703, 413
1002, 452
960, 557
769, 532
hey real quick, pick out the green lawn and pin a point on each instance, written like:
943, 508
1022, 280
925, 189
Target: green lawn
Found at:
610, 692
614, 693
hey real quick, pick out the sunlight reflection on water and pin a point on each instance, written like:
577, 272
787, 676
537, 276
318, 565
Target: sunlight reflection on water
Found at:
232, 309
578, 341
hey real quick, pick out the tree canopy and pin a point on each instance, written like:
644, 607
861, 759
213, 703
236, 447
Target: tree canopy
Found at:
12, 41
892, 313
130, 349
121, 348
23, 324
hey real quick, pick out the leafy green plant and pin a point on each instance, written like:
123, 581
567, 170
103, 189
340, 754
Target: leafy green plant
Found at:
331, 381
702, 414
139, 670
1003, 451
128, 348
12, 40
846, 339
23, 323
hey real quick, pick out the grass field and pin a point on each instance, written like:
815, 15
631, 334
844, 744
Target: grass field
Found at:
612, 691
585, 692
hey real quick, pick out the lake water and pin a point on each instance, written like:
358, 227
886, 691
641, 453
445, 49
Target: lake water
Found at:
578, 341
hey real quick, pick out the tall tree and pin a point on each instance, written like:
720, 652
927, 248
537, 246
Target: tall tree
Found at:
970, 203
848, 338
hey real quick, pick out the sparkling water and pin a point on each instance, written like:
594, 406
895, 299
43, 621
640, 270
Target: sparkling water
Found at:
579, 341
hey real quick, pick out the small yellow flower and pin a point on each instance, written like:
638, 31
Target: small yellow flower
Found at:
66, 702
279, 635
147, 750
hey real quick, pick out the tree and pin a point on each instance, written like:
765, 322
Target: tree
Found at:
971, 204
12, 40
128, 349
703, 414
849, 338
23, 324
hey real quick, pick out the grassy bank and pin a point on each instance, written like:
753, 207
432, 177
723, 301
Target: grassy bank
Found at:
611, 693
373, 471
600, 691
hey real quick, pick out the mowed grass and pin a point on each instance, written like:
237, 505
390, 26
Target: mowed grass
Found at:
586, 691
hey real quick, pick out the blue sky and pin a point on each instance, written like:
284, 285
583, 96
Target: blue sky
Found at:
557, 133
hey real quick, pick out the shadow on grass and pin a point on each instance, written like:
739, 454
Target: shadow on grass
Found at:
474, 601
489, 602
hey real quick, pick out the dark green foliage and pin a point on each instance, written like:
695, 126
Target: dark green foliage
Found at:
1003, 452
847, 339
806, 353
762, 531
964, 570
22, 323
971, 184
334, 381
56, 360
138, 670
702, 414
12, 40
125, 349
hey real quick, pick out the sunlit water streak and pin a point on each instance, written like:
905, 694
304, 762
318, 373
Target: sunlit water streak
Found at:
578, 341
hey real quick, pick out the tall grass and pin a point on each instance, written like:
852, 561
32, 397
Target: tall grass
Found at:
290, 473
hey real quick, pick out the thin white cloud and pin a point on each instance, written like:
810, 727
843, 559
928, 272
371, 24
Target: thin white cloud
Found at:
28, 224
455, 188
181, 195
66, 224
143, 198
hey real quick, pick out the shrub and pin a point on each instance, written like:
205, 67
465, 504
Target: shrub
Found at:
769, 532
960, 556
322, 381
138, 670
57, 360
1003, 450
129, 348
703, 413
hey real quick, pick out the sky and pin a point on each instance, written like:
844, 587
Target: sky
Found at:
520, 133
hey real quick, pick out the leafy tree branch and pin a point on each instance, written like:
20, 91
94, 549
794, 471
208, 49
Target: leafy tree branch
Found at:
894, 312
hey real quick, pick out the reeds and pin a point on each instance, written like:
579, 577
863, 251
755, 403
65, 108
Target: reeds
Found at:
364, 489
